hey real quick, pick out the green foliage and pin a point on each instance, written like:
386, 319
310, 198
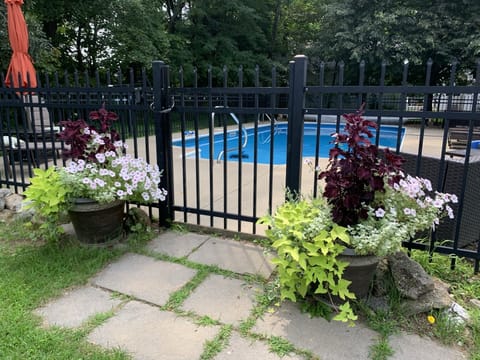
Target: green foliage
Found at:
142, 36
448, 329
48, 197
30, 276
355, 30
131, 33
280, 346
475, 331
381, 350
463, 285
215, 346
317, 309
307, 244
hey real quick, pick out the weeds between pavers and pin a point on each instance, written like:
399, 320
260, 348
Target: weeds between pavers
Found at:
34, 273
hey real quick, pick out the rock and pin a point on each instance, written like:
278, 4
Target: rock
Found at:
475, 302
25, 214
4, 193
2, 203
378, 303
6, 215
14, 202
459, 314
437, 298
381, 279
410, 278
137, 216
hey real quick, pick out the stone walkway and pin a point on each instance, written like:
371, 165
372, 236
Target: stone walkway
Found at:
133, 291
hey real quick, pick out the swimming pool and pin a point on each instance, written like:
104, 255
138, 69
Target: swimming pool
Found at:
388, 138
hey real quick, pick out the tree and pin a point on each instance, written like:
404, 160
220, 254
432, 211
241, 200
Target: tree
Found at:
230, 33
134, 41
105, 33
175, 10
40, 50
391, 30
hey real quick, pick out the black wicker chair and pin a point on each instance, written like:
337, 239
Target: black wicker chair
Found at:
452, 173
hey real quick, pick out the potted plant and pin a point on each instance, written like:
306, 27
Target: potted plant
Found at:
367, 209
96, 181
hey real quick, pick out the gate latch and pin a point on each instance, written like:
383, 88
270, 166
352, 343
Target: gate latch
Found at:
164, 110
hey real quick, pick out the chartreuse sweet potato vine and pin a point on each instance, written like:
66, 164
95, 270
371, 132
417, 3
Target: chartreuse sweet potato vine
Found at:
48, 196
307, 243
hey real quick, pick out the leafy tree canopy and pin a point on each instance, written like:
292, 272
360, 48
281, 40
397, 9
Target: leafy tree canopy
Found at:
67, 35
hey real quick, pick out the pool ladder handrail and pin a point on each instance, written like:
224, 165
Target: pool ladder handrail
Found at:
244, 132
275, 128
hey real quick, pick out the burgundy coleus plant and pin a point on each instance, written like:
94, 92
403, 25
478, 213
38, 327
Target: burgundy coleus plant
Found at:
356, 170
86, 141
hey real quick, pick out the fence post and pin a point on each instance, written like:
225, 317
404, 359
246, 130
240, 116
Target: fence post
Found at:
163, 136
296, 103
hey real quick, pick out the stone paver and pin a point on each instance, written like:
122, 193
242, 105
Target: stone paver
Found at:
237, 256
414, 347
328, 340
223, 299
176, 244
76, 306
144, 278
148, 333
240, 348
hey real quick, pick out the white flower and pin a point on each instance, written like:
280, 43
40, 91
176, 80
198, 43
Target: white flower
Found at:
398, 214
449, 211
379, 213
100, 157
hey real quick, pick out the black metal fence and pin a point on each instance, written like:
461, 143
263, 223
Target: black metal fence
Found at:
29, 118
232, 191
225, 163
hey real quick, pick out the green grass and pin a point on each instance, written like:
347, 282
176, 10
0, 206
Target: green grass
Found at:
464, 285
280, 346
475, 331
381, 350
215, 346
32, 274
177, 298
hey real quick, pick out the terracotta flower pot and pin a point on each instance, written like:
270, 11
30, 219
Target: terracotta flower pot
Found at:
97, 224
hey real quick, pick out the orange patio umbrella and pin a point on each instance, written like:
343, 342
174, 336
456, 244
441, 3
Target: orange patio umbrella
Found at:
21, 63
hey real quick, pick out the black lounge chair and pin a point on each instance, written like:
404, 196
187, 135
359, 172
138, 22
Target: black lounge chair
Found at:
458, 131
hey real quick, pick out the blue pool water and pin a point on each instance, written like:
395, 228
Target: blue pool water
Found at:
388, 138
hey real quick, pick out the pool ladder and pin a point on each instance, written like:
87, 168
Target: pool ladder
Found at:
244, 134
275, 127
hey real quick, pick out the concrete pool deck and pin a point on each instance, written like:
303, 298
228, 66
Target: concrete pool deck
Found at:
225, 194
